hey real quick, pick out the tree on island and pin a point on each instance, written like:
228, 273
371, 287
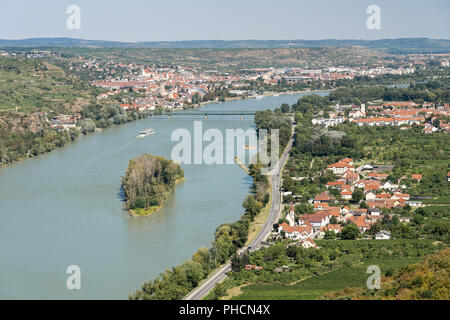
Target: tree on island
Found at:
148, 180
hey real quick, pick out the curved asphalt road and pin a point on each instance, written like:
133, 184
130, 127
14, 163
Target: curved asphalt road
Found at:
220, 274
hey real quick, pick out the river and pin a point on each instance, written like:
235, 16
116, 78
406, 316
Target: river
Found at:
65, 208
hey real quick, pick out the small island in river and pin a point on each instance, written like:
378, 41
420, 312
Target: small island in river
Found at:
148, 181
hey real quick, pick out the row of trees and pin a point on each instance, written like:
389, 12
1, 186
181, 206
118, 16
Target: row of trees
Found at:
228, 238
14, 146
175, 283
103, 116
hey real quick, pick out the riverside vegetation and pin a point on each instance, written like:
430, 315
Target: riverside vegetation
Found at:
177, 282
148, 181
32, 92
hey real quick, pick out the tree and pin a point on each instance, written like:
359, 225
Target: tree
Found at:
285, 108
239, 261
236, 264
329, 234
375, 228
395, 220
350, 232
303, 208
363, 205
252, 206
333, 220
87, 125
357, 195
219, 291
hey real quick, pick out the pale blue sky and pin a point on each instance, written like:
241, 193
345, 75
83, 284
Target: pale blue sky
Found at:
150, 20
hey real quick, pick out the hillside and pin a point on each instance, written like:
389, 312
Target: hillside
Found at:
31, 85
401, 45
229, 59
427, 279
32, 92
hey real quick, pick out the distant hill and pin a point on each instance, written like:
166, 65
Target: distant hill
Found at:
401, 45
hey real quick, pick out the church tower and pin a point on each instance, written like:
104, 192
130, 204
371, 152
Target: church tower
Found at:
363, 109
290, 218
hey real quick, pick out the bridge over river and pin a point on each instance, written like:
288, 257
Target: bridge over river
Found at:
204, 113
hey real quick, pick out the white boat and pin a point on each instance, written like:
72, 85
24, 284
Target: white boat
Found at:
145, 132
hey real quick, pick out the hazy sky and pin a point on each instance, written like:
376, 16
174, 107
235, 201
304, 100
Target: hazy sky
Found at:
150, 20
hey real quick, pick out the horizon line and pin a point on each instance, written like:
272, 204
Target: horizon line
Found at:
230, 40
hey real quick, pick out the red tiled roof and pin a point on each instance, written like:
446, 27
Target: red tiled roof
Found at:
323, 197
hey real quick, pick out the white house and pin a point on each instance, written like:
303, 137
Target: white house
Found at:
308, 243
389, 186
317, 220
371, 196
413, 203
383, 235
296, 232
375, 211
340, 168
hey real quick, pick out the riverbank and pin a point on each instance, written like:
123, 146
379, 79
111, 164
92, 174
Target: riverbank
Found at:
201, 104
73, 198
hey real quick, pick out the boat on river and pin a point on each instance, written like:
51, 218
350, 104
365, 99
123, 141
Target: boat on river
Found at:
145, 132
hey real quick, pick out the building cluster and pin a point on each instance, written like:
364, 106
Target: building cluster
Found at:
333, 208
173, 87
403, 114
169, 87
341, 72
65, 122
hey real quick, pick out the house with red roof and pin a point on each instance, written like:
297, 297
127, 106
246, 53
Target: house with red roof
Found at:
296, 232
336, 228
341, 167
323, 197
346, 194
335, 184
360, 222
350, 176
316, 220
308, 243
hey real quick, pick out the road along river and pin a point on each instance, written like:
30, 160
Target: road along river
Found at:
65, 208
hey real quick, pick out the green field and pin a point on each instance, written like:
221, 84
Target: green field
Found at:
316, 286
35, 85
439, 200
